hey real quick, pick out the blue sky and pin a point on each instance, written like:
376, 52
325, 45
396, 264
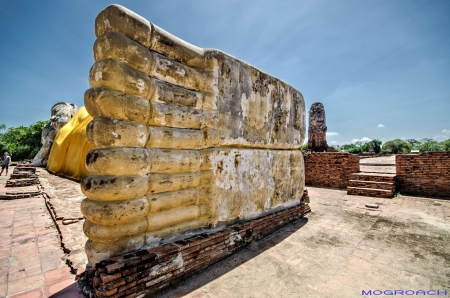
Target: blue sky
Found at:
381, 68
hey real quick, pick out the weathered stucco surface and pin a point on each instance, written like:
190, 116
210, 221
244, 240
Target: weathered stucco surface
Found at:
186, 138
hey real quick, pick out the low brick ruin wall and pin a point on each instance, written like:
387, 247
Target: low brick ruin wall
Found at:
150, 270
330, 169
425, 174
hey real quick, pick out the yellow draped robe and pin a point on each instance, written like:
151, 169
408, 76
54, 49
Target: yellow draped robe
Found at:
68, 154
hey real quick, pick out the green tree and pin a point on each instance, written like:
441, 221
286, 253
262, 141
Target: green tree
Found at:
394, 146
376, 146
22, 142
303, 147
414, 143
351, 148
428, 144
446, 145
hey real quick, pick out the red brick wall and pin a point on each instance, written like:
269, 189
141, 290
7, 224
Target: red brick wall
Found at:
426, 174
330, 169
148, 271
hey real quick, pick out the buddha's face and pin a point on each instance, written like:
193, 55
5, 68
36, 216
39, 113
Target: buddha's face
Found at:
61, 114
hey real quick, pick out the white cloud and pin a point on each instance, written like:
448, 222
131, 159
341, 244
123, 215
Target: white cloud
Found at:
334, 143
446, 131
440, 138
331, 133
380, 125
363, 140
403, 138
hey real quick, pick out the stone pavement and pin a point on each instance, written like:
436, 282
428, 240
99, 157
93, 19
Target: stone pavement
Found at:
383, 164
63, 198
32, 263
341, 249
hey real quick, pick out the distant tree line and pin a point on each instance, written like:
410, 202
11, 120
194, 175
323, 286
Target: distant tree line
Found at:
22, 142
394, 146
360, 147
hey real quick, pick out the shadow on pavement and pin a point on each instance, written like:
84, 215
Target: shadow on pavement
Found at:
233, 261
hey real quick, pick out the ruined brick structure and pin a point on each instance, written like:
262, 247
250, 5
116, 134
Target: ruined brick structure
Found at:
425, 174
317, 130
330, 169
23, 176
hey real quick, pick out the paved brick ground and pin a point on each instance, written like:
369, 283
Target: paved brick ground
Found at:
32, 262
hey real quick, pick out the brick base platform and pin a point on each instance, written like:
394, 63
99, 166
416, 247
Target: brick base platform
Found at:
148, 271
22, 182
24, 172
19, 194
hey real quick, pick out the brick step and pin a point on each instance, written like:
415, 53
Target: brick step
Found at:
370, 192
378, 177
23, 175
372, 184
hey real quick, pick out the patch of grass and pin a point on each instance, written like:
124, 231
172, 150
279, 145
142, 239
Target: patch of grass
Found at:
244, 241
397, 195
